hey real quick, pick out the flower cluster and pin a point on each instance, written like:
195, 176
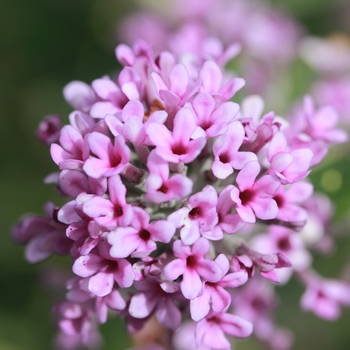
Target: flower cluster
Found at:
177, 197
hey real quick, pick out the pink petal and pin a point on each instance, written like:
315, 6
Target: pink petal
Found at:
178, 78
101, 284
174, 269
246, 177
191, 284
211, 77
142, 305
124, 240
200, 306
79, 95
236, 326
168, 314
184, 125
209, 270
88, 265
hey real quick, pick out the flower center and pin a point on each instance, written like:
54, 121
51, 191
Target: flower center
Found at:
163, 188
279, 200
179, 149
224, 158
191, 261
144, 235
118, 211
246, 196
194, 213
284, 244
114, 160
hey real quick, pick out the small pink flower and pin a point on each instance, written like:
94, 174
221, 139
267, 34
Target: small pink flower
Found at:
192, 265
324, 297
288, 199
72, 151
212, 119
288, 166
255, 198
139, 240
226, 151
44, 235
177, 146
103, 273
110, 159
157, 297
211, 330
111, 101
108, 213
49, 129
198, 217
266, 263
162, 188
215, 295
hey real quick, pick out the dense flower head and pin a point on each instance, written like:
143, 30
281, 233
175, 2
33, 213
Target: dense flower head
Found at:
171, 185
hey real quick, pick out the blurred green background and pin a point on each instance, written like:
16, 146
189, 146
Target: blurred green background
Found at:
44, 44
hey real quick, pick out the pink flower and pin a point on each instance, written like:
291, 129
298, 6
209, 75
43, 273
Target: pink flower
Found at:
227, 222
111, 158
256, 302
255, 198
198, 217
103, 273
177, 146
212, 119
289, 243
113, 99
266, 263
192, 265
72, 151
288, 166
226, 152
211, 330
157, 297
324, 297
74, 182
44, 235
162, 188
288, 199
140, 239
321, 123
49, 129
215, 295
108, 213
177, 90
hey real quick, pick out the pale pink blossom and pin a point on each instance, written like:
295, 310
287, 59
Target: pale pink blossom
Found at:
192, 265
255, 198
156, 297
139, 239
177, 146
108, 213
212, 329
227, 156
111, 157
198, 217
214, 295
160, 187
324, 297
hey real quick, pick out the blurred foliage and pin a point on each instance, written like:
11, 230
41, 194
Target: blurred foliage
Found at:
44, 44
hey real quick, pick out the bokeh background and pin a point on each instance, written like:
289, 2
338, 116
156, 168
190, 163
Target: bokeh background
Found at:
44, 44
